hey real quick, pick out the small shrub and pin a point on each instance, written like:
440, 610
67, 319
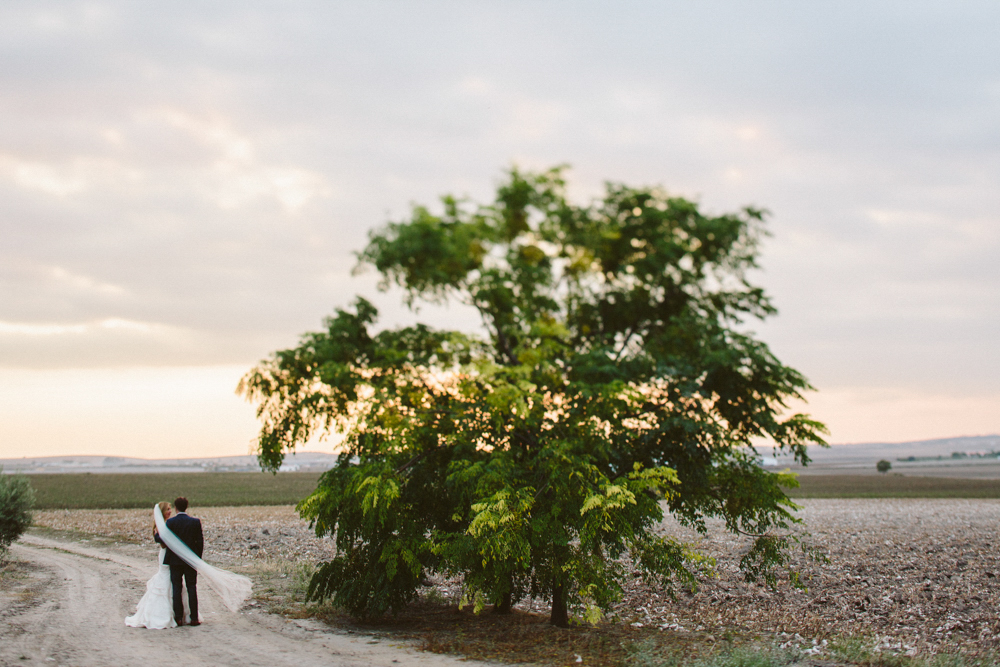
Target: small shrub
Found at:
301, 576
883, 466
16, 500
434, 596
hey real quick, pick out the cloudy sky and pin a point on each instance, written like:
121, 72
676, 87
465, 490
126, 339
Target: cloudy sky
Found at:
183, 185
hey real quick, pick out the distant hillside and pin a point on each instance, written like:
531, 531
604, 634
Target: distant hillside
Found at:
300, 462
969, 457
918, 448
940, 457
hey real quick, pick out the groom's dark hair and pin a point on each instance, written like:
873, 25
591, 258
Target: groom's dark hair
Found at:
181, 504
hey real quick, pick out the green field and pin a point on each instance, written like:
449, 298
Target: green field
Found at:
206, 489
228, 489
893, 486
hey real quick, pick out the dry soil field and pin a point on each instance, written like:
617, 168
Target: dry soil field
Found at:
912, 576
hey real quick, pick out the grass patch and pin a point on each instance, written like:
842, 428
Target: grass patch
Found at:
205, 489
646, 654
20, 585
11, 571
893, 486
280, 586
859, 652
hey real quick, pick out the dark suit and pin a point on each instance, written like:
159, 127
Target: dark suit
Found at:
188, 530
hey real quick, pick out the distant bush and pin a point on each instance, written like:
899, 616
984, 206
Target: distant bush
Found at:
883, 466
16, 500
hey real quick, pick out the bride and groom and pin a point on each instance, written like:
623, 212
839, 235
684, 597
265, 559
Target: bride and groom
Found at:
181, 545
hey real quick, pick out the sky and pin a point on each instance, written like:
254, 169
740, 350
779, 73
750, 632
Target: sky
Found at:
184, 186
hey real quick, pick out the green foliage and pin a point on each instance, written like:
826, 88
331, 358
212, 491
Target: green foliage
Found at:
883, 466
16, 501
614, 380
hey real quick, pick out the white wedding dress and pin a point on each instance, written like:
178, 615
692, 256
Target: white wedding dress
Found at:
155, 610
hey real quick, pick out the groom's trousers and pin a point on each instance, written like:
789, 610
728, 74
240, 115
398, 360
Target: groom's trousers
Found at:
187, 574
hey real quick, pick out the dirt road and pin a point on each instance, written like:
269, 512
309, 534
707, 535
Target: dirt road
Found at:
67, 602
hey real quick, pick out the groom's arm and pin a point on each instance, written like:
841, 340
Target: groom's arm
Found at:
199, 541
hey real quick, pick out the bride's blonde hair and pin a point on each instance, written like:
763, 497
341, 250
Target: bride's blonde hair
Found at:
164, 508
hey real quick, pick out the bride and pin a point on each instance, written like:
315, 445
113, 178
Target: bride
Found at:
155, 609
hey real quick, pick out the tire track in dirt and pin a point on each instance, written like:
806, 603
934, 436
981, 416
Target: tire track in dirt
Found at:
72, 610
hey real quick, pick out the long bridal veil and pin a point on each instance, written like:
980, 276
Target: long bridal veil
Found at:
234, 589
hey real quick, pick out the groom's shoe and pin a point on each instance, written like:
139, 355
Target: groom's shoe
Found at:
180, 623
195, 623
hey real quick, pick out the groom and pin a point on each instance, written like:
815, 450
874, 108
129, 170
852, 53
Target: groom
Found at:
188, 529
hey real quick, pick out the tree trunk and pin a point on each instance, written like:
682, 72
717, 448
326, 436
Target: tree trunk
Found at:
505, 604
560, 616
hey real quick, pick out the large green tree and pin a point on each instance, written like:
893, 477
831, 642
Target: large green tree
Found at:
612, 379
